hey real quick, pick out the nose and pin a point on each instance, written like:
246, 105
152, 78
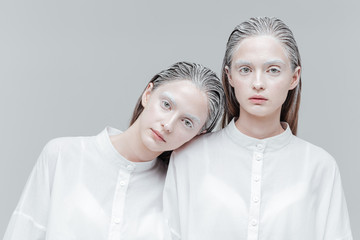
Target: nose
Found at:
168, 124
258, 83
167, 127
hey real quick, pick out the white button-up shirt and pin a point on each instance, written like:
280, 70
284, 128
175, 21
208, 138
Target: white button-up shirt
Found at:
226, 185
82, 188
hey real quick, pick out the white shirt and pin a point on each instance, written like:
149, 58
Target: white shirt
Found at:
82, 188
226, 185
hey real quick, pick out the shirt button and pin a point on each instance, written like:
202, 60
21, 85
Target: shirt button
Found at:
130, 167
117, 220
253, 222
256, 199
256, 178
258, 157
260, 147
122, 183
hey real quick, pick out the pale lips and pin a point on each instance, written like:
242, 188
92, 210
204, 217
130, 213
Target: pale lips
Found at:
258, 99
158, 135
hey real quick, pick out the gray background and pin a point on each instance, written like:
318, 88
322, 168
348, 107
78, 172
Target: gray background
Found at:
70, 68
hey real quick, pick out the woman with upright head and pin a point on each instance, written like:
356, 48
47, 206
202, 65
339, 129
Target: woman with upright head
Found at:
255, 179
110, 186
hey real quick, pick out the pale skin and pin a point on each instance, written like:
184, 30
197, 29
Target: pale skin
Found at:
173, 114
261, 76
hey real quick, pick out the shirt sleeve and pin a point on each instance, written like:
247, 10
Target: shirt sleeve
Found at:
337, 223
171, 202
29, 220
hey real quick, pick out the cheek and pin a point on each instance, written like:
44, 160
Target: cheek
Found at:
239, 90
153, 110
281, 93
149, 116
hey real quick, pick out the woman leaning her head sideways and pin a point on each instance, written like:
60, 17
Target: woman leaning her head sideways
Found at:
110, 186
261, 77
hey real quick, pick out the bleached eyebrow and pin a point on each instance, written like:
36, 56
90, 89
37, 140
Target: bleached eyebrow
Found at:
192, 117
275, 62
241, 62
170, 97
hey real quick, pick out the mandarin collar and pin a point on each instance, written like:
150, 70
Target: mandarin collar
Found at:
104, 142
267, 144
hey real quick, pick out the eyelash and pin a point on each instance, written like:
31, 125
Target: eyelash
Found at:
165, 105
188, 121
277, 70
241, 70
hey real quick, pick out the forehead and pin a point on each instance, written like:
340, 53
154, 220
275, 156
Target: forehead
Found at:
261, 47
185, 96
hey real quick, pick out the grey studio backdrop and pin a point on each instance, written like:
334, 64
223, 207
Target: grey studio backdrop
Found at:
70, 68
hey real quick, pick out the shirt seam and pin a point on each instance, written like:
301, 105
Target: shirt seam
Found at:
174, 233
39, 226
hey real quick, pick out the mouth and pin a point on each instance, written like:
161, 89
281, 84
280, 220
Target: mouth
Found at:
158, 135
258, 99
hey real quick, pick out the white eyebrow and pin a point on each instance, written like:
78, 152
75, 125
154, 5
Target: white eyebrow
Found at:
275, 62
241, 62
270, 62
192, 117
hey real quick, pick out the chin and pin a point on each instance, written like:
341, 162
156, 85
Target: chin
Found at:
259, 114
154, 148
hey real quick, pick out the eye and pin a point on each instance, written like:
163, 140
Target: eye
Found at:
274, 70
188, 123
244, 70
165, 104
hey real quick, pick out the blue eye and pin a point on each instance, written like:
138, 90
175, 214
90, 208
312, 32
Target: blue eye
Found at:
244, 70
165, 104
188, 123
274, 70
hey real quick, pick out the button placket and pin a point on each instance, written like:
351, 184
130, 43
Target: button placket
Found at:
260, 147
255, 201
117, 220
258, 156
254, 222
130, 168
119, 202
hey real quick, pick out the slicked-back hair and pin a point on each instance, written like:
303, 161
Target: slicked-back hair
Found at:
263, 26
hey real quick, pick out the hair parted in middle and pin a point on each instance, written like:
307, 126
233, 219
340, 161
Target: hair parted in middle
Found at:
262, 26
205, 79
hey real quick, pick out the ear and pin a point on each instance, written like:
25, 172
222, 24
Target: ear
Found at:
202, 132
295, 78
228, 74
146, 94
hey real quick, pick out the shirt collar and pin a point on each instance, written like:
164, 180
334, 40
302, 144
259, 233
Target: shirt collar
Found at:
268, 144
104, 142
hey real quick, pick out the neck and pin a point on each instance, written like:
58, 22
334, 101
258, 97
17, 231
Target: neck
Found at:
131, 147
259, 127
